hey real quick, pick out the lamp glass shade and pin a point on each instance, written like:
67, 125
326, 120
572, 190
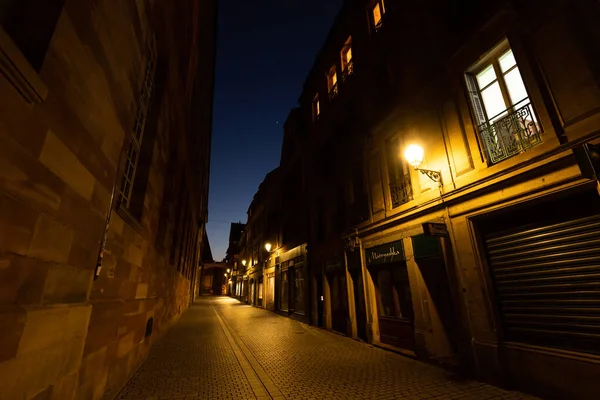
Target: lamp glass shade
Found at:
414, 155
268, 246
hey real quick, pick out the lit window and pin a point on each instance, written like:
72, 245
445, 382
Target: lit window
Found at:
347, 64
501, 105
378, 13
332, 83
316, 108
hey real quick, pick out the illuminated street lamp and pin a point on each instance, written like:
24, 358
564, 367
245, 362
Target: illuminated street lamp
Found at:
228, 270
414, 156
268, 246
244, 263
224, 274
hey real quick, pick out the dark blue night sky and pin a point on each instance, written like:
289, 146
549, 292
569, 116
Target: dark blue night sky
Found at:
264, 52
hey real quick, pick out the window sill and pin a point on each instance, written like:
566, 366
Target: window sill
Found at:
131, 220
19, 73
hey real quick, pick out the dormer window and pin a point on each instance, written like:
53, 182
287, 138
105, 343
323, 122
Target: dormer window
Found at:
346, 55
378, 12
332, 83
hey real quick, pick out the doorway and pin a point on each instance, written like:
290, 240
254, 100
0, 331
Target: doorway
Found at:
394, 305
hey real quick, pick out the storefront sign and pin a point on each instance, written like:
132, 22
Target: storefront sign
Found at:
426, 247
386, 253
332, 266
435, 229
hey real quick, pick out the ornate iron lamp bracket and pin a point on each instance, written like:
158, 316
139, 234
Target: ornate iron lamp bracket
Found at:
435, 176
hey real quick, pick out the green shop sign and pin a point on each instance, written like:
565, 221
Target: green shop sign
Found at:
386, 253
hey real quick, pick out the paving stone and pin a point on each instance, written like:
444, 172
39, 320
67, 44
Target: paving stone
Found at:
196, 361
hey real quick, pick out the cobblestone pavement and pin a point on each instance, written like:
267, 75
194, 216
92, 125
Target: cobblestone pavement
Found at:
279, 358
193, 361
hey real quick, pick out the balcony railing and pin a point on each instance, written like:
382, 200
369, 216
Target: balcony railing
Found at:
401, 191
348, 70
333, 91
511, 134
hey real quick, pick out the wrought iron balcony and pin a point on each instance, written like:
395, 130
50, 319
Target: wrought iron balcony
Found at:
348, 70
401, 191
511, 134
333, 91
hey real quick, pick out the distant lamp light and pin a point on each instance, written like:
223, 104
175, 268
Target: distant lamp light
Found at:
414, 156
244, 262
224, 274
228, 270
268, 246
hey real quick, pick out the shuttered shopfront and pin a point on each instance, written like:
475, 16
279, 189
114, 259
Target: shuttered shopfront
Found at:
546, 275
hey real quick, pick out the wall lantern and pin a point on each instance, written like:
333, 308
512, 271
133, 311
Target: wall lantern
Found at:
244, 262
228, 270
268, 246
414, 156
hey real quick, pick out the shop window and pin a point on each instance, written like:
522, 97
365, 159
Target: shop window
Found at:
393, 291
399, 174
503, 112
332, 83
316, 108
377, 12
346, 56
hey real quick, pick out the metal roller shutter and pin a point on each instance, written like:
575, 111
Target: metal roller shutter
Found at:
547, 283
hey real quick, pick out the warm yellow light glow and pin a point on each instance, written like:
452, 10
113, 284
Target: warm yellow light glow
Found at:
414, 155
268, 246
349, 55
377, 14
228, 270
224, 274
244, 262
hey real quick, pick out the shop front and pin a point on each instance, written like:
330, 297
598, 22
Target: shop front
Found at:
289, 282
395, 314
543, 268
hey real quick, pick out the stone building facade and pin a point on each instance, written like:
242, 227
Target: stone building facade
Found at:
479, 250
105, 120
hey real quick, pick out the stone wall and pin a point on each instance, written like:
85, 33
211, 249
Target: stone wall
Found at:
64, 335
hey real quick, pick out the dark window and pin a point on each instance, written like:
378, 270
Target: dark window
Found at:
299, 289
399, 174
284, 290
30, 24
394, 292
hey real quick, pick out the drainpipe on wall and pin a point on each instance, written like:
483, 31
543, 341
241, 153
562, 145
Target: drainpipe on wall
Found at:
98, 268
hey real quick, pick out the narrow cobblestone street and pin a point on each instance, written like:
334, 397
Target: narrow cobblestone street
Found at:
221, 349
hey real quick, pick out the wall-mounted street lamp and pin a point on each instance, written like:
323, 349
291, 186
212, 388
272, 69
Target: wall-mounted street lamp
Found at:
414, 156
228, 270
268, 247
244, 262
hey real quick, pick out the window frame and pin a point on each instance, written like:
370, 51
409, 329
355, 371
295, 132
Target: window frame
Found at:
347, 64
316, 107
381, 5
134, 148
398, 173
483, 121
332, 82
